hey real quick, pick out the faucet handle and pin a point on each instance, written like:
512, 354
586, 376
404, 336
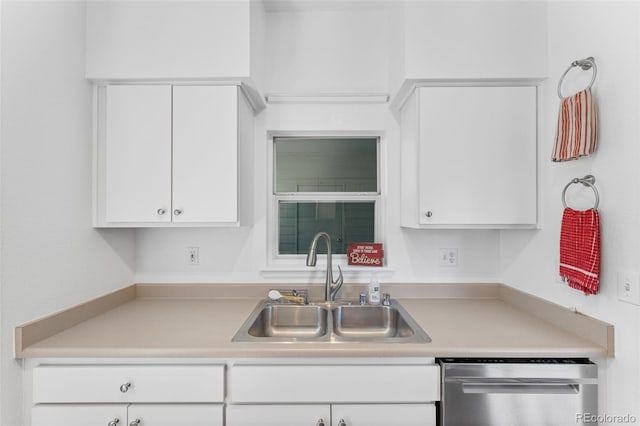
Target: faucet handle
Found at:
386, 299
338, 281
335, 285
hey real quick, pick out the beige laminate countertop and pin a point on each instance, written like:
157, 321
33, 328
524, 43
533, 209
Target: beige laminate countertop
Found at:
147, 320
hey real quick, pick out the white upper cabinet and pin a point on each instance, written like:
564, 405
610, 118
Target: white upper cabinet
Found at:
469, 157
137, 154
205, 154
172, 155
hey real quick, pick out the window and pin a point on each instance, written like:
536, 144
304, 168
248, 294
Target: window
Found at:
325, 184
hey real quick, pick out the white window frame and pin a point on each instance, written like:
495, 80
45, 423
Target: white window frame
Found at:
289, 262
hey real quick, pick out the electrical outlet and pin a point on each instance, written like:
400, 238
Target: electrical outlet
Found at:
629, 287
193, 255
448, 257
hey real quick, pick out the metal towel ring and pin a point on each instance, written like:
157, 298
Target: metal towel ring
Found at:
588, 180
585, 64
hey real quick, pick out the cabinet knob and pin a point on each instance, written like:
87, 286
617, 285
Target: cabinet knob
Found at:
125, 387
177, 212
320, 422
161, 212
342, 423
114, 422
136, 422
429, 213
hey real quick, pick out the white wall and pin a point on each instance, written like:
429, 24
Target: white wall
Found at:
168, 39
257, 41
334, 51
468, 39
323, 47
240, 255
51, 257
609, 31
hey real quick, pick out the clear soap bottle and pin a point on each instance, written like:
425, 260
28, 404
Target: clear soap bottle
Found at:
374, 290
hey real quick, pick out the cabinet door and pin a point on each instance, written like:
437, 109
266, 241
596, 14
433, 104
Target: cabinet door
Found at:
384, 415
205, 154
137, 154
78, 415
175, 414
478, 156
278, 415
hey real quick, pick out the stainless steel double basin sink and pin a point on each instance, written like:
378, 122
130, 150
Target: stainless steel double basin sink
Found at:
330, 322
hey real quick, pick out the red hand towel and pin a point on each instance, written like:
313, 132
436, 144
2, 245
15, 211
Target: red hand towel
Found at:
580, 249
577, 130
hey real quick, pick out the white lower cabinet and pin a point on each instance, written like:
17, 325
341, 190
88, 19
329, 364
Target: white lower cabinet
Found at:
175, 414
278, 392
332, 415
383, 415
333, 394
78, 415
128, 395
123, 415
279, 415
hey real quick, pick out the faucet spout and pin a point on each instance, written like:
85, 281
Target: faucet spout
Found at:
331, 287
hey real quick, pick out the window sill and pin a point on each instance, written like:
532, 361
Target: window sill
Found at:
317, 274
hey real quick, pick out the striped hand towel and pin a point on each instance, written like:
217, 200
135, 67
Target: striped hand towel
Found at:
577, 131
580, 249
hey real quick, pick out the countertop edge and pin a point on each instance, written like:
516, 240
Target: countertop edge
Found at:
597, 332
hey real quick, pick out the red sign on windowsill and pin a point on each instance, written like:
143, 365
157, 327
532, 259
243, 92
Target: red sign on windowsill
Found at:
365, 254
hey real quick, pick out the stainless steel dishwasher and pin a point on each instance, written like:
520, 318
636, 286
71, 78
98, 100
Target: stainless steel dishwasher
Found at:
508, 392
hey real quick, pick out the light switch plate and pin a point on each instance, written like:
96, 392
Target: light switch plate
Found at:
193, 256
629, 287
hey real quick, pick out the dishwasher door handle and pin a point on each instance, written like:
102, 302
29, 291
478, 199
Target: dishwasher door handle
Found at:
521, 388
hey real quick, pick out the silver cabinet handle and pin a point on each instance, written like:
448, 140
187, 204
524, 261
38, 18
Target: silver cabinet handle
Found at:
125, 387
177, 212
429, 213
136, 422
342, 423
114, 422
161, 212
320, 422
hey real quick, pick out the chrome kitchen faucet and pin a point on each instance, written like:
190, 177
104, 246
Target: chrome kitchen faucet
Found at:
330, 287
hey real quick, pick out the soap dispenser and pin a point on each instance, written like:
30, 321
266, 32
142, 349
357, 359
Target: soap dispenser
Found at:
374, 290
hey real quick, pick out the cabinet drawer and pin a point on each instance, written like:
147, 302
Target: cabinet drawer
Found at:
102, 383
334, 383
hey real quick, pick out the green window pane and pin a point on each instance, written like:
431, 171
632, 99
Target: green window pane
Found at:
326, 165
345, 222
